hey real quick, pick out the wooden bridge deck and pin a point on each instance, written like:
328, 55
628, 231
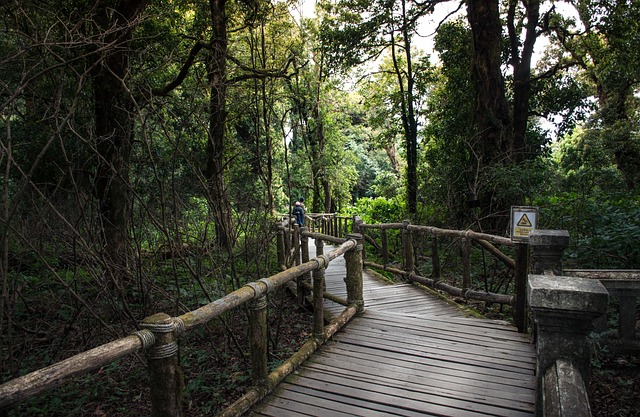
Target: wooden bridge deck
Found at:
410, 354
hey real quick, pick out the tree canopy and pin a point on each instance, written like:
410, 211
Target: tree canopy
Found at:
147, 148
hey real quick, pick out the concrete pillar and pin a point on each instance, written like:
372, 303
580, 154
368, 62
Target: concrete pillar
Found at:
547, 248
564, 309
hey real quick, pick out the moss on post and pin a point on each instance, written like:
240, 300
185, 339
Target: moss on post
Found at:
166, 379
318, 299
353, 279
306, 277
407, 248
466, 263
258, 339
280, 246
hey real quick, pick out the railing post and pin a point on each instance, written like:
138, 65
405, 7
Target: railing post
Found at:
357, 228
304, 243
547, 248
435, 258
385, 247
258, 340
318, 299
280, 246
466, 263
521, 273
563, 310
334, 228
353, 279
296, 245
407, 248
166, 379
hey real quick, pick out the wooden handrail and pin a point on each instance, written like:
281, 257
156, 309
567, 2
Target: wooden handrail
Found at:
485, 241
34, 383
26, 386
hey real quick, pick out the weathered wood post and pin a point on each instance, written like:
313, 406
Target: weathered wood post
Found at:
353, 279
465, 250
385, 247
357, 228
318, 297
304, 246
435, 258
258, 338
280, 245
296, 245
521, 273
407, 248
166, 379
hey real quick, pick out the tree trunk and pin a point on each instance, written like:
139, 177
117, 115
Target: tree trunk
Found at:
493, 143
409, 122
216, 63
522, 74
114, 121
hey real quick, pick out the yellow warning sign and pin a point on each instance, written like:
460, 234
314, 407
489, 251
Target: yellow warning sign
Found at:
524, 221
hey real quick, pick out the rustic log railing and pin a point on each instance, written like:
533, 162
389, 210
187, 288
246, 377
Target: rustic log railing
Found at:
407, 232
330, 224
159, 333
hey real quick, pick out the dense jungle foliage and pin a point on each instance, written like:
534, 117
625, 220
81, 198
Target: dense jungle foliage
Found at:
147, 149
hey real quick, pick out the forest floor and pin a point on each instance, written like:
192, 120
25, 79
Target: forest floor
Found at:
214, 361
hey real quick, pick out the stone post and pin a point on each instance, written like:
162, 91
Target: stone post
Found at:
563, 311
547, 248
353, 279
166, 379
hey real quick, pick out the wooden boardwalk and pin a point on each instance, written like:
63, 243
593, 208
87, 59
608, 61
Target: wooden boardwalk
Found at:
409, 354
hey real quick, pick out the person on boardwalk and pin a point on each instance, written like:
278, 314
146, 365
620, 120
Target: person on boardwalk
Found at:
298, 212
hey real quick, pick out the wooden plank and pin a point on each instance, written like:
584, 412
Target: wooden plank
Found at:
335, 405
416, 401
410, 354
424, 328
443, 351
431, 382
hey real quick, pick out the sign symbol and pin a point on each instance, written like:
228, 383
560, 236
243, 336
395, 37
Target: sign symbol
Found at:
524, 221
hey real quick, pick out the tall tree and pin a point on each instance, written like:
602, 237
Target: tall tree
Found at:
114, 121
355, 32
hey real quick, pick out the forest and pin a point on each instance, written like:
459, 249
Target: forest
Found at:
147, 149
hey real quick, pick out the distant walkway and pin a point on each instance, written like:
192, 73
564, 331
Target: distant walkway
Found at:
409, 354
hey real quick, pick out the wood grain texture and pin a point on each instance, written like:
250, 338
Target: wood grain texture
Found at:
410, 354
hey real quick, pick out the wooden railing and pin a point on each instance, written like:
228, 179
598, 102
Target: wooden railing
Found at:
410, 233
159, 333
